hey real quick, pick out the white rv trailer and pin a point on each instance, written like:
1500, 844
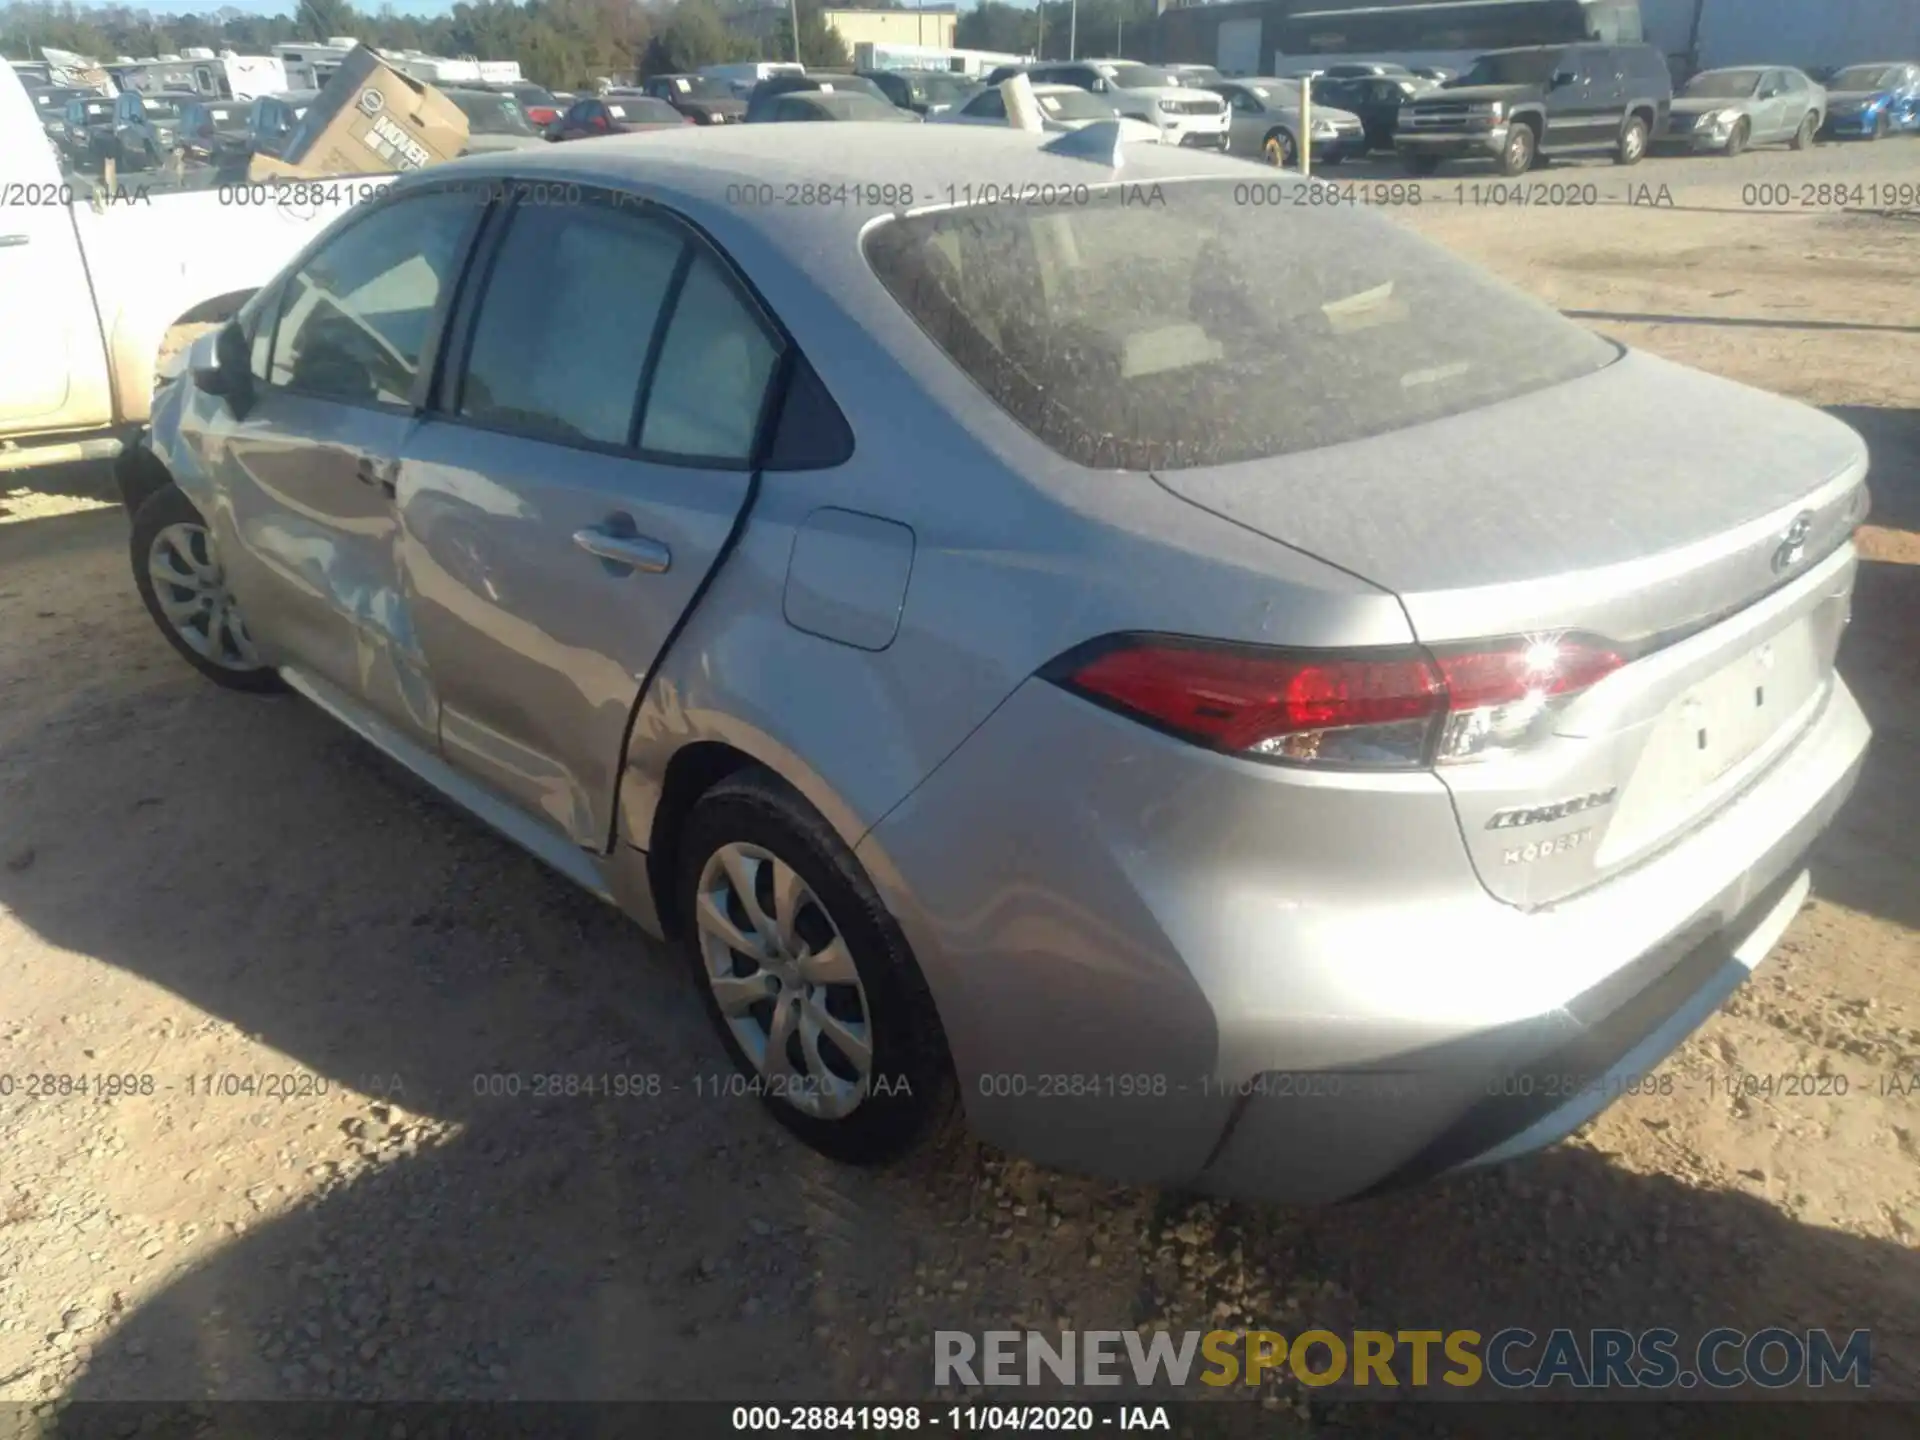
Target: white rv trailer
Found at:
225, 76
311, 63
868, 55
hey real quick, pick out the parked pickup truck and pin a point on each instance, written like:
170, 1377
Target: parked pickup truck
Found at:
98, 280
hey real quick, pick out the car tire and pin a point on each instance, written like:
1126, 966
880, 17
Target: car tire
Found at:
1882, 127
1521, 151
172, 539
1632, 146
1803, 137
753, 832
1281, 150
1422, 164
1737, 141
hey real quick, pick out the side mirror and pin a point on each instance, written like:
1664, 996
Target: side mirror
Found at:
219, 363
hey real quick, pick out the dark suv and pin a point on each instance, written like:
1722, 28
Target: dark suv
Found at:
1514, 106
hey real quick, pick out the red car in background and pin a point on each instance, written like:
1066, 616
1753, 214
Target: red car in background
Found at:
619, 112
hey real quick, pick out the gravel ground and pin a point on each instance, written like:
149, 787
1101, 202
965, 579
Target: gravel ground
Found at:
195, 884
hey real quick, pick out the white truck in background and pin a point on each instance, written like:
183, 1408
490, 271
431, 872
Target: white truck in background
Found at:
92, 289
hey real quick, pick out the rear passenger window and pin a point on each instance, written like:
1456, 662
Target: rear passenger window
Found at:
354, 319
561, 339
711, 383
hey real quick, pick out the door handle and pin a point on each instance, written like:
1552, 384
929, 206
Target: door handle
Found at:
635, 550
8, 241
378, 473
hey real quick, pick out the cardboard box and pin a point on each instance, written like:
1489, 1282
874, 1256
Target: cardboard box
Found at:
369, 120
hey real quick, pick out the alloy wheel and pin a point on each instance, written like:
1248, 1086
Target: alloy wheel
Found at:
1281, 151
784, 981
192, 592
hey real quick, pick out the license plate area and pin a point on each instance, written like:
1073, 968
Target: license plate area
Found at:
1700, 746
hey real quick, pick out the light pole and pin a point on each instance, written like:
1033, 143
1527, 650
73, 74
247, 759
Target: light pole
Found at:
1073, 30
793, 18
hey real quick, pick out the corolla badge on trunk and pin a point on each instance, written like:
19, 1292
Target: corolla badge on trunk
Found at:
1559, 810
1793, 544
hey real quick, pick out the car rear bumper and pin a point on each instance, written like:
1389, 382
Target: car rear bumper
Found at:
1174, 967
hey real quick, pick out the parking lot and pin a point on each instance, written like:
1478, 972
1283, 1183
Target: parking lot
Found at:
321, 966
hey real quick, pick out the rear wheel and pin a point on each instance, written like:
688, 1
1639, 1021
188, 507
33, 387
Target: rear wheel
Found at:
1521, 150
1632, 148
807, 977
1280, 150
184, 587
1737, 142
1809, 127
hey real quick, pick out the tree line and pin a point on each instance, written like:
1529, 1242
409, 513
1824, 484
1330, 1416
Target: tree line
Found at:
564, 44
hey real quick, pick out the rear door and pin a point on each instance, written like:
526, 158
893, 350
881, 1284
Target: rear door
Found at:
590, 452
305, 479
1770, 108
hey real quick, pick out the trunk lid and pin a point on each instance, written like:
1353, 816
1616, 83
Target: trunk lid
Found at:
1695, 524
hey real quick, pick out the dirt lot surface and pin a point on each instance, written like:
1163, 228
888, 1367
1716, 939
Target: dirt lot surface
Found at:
301, 962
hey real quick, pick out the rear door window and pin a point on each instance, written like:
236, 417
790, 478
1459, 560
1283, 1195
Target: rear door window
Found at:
1202, 332
563, 332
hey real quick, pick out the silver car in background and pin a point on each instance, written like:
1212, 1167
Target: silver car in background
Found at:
1235, 694
1264, 119
1062, 108
1728, 110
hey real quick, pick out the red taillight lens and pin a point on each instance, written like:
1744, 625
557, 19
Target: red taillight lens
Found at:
1389, 708
542, 115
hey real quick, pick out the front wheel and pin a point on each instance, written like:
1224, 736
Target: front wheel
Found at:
1882, 127
1521, 150
184, 587
806, 975
1632, 148
1737, 142
1281, 150
1809, 127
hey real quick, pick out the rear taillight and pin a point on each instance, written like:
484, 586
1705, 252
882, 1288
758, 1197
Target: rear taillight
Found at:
1374, 709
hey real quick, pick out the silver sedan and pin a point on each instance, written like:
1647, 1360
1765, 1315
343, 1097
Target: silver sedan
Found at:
1728, 110
1264, 119
1230, 693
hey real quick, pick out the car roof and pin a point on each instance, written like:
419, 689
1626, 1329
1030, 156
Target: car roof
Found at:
699, 172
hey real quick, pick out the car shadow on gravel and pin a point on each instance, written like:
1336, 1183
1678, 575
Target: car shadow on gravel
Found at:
257, 862
1867, 860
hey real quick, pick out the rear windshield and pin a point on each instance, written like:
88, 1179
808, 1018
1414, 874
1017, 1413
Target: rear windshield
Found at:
1074, 105
489, 113
160, 109
1208, 330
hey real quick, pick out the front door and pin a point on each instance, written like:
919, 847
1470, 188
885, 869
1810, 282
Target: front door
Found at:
571, 489
306, 525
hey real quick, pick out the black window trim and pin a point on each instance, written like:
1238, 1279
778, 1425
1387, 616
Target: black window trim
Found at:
442, 403
436, 323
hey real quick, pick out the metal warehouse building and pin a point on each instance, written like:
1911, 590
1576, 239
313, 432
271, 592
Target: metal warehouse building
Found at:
1262, 36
